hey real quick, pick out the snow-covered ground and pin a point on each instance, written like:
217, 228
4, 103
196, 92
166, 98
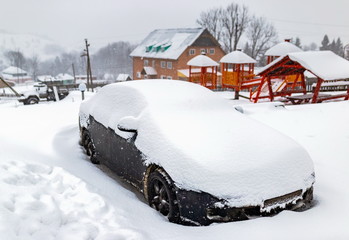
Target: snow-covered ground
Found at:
51, 191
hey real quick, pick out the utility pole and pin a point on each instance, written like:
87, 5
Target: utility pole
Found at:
74, 72
88, 66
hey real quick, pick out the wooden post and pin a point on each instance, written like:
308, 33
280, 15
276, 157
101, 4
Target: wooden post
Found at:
303, 83
223, 74
9, 86
236, 67
190, 80
317, 90
88, 67
271, 94
74, 72
259, 90
294, 83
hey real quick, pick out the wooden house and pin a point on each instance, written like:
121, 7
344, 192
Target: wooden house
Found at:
165, 52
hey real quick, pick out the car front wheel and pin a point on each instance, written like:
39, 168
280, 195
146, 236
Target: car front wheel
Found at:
89, 146
32, 100
162, 196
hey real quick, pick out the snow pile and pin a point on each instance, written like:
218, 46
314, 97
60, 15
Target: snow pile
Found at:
203, 142
45, 202
237, 57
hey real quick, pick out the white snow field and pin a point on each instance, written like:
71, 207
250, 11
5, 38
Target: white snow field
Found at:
50, 190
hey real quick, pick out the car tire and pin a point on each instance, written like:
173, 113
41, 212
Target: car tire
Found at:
32, 100
89, 147
162, 195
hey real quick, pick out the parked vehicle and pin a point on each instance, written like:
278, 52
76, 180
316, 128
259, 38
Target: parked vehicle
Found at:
43, 91
196, 159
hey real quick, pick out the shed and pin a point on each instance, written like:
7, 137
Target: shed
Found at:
123, 77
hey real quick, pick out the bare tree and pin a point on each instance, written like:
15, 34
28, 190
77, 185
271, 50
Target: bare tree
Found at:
113, 59
235, 20
297, 42
227, 25
212, 21
260, 35
33, 66
15, 58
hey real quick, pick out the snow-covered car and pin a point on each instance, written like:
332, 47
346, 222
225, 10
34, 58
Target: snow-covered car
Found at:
196, 159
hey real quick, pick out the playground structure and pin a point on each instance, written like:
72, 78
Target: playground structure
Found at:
325, 65
203, 70
282, 77
278, 83
238, 72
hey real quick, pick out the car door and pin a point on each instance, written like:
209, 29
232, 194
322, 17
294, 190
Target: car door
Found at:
117, 148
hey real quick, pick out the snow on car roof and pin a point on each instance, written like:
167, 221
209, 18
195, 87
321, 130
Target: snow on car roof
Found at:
203, 142
237, 57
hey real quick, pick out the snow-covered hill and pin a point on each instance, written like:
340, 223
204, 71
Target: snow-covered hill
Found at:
29, 44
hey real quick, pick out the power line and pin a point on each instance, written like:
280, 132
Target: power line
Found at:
309, 23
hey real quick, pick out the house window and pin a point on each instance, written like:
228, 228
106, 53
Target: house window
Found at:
163, 77
203, 51
212, 51
153, 63
169, 77
138, 74
146, 63
169, 65
191, 51
163, 64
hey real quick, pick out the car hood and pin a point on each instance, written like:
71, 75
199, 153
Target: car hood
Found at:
224, 153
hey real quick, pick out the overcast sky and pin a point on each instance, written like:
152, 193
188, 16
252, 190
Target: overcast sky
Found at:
103, 21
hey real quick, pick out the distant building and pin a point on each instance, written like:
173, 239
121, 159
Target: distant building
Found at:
62, 78
65, 78
165, 51
123, 77
15, 74
45, 78
84, 77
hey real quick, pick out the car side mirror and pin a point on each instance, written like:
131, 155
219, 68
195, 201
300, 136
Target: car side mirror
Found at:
128, 124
